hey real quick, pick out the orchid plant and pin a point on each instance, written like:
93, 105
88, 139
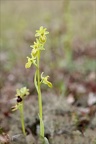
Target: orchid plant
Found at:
20, 95
34, 59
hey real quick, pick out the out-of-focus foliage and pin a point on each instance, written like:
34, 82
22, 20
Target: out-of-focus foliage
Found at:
71, 25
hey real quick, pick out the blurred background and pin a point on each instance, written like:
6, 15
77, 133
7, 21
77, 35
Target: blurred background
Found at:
69, 59
70, 48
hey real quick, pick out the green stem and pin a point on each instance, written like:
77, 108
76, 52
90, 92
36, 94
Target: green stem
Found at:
22, 119
40, 97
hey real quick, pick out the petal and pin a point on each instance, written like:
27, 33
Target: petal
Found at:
14, 108
45, 80
28, 65
49, 84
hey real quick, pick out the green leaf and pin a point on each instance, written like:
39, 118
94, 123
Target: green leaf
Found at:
42, 127
46, 140
35, 81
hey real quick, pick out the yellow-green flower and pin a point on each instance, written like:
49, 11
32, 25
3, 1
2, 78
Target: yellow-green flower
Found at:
45, 80
42, 39
36, 44
22, 92
30, 61
34, 52
28, 64
36, 47
41, 32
